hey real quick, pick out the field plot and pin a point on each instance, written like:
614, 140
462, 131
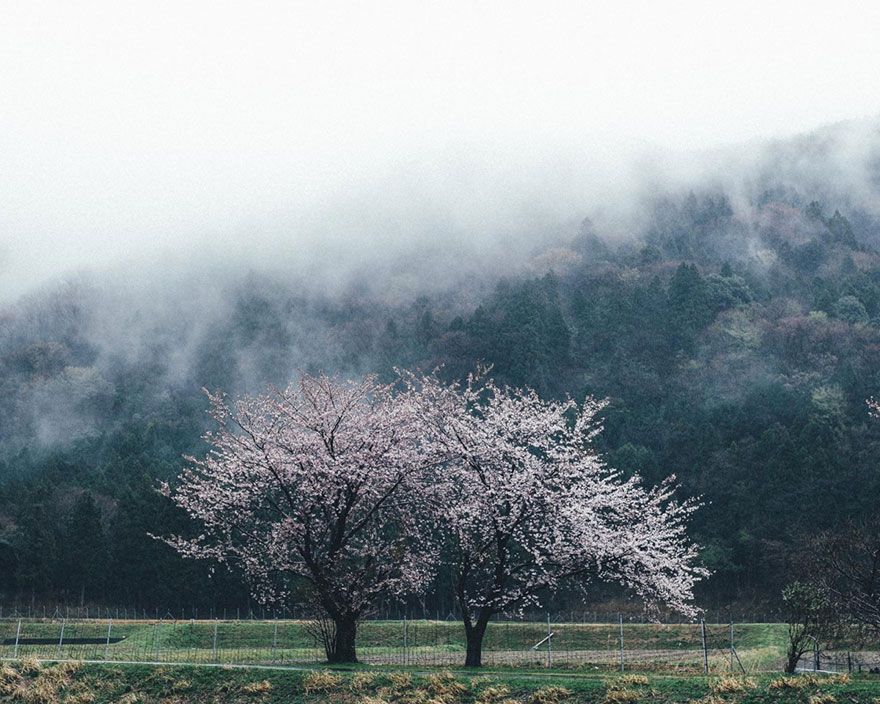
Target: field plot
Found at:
647, 647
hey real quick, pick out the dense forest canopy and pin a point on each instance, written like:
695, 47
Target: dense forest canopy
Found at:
735, 334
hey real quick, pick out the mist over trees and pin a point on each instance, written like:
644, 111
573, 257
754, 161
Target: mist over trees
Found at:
735, 333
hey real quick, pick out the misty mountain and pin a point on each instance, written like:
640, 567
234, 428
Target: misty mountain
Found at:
733, 322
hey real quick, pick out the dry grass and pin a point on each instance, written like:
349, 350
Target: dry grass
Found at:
788, 683
621, 696
46, 688
820, 698
41, 691
631, 681
81, 698
617, 691
29, 666
809, 680
550, 695
443, 685
361, 681
727, 685
9, 679
400, 681
257, 688
709, 699
372, 700
181, 686
322, 681
494, 694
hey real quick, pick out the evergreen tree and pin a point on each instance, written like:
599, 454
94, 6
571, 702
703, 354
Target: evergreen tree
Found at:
86, 556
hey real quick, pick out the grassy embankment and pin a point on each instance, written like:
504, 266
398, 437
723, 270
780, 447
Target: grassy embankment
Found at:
28, 681
671, 647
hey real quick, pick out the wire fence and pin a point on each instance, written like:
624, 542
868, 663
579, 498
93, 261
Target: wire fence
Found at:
841, 661
385, 612
620, 645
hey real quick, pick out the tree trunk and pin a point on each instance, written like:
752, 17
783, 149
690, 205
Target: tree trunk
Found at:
475, 633
791, 663
343, 650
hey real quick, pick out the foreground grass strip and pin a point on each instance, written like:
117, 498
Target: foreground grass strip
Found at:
70, 683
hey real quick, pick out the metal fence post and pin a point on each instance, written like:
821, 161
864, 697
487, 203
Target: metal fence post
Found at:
731, 644
404, 639
158, 639
705, 652
61, 639
275, 639
549, 644
620, 620
214, 650
17, 634
107, 646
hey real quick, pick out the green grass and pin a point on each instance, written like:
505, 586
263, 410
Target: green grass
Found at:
128, 684
648, 647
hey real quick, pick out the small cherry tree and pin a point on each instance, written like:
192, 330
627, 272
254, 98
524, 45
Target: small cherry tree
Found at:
324, 483
529, 503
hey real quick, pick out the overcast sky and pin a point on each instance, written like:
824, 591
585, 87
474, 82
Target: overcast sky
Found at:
133, 130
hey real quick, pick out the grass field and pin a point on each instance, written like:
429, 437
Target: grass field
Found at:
70, 683
647, 647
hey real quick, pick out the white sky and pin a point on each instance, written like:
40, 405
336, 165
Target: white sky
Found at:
129, 130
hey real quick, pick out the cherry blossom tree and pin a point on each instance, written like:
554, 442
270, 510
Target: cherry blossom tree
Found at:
530, 503
322, 483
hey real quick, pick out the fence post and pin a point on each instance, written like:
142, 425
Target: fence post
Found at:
17, 634
158, 639
61, 639
107, 646
705, 652
549, 644
275, 639
731, 643
815, 656
620, 620
404, 639
214, 650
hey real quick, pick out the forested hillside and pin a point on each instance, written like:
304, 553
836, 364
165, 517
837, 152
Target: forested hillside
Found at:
737, 345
